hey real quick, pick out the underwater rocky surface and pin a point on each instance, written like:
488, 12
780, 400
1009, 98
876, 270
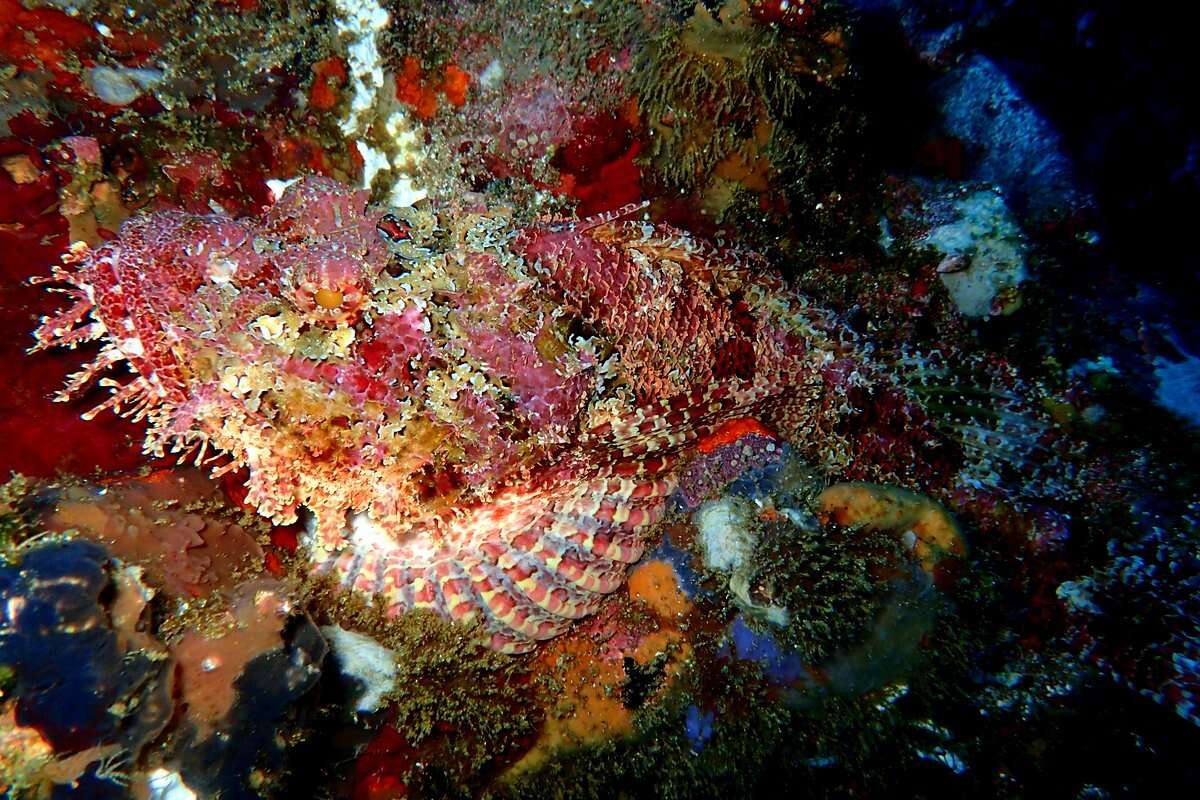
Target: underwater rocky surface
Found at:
645, 399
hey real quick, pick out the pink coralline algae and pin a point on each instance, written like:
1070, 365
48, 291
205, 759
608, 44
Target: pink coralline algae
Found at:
482, 421
710, 472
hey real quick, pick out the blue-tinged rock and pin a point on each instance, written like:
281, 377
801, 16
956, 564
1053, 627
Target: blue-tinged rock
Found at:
70, 670
1178, 387
698, 725
782, 666
1008, 142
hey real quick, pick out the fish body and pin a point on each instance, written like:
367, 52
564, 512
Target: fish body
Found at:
482, 419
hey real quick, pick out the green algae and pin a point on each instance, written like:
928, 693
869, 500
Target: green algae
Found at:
834, 582
446, 678
760, 742
465, 706
704, 85
14, 523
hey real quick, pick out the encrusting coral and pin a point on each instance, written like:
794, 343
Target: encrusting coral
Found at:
925, 526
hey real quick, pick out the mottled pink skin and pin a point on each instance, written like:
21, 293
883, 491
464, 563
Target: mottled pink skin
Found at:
503, 297
546, 398
323, 269
326, 208
144, 280
491, 455
662, 324
342, 254
176, 284
358, 381
156, 291
397, 348
162, 282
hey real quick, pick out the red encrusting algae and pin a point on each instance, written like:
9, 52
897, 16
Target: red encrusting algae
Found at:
418, 90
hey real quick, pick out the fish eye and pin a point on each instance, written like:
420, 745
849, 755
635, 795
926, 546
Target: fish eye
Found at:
328, 298
393, 229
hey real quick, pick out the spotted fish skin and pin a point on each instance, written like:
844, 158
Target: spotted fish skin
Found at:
482, 421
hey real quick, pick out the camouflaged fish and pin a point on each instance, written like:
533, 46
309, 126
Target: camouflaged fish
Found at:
482, 419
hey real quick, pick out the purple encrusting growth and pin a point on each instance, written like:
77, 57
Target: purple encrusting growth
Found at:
781, 666
710, 473
698, 724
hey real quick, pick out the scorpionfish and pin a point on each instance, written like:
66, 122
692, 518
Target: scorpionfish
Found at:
483, 419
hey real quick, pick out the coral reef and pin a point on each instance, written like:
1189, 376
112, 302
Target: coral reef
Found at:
1150, 583
690, 340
